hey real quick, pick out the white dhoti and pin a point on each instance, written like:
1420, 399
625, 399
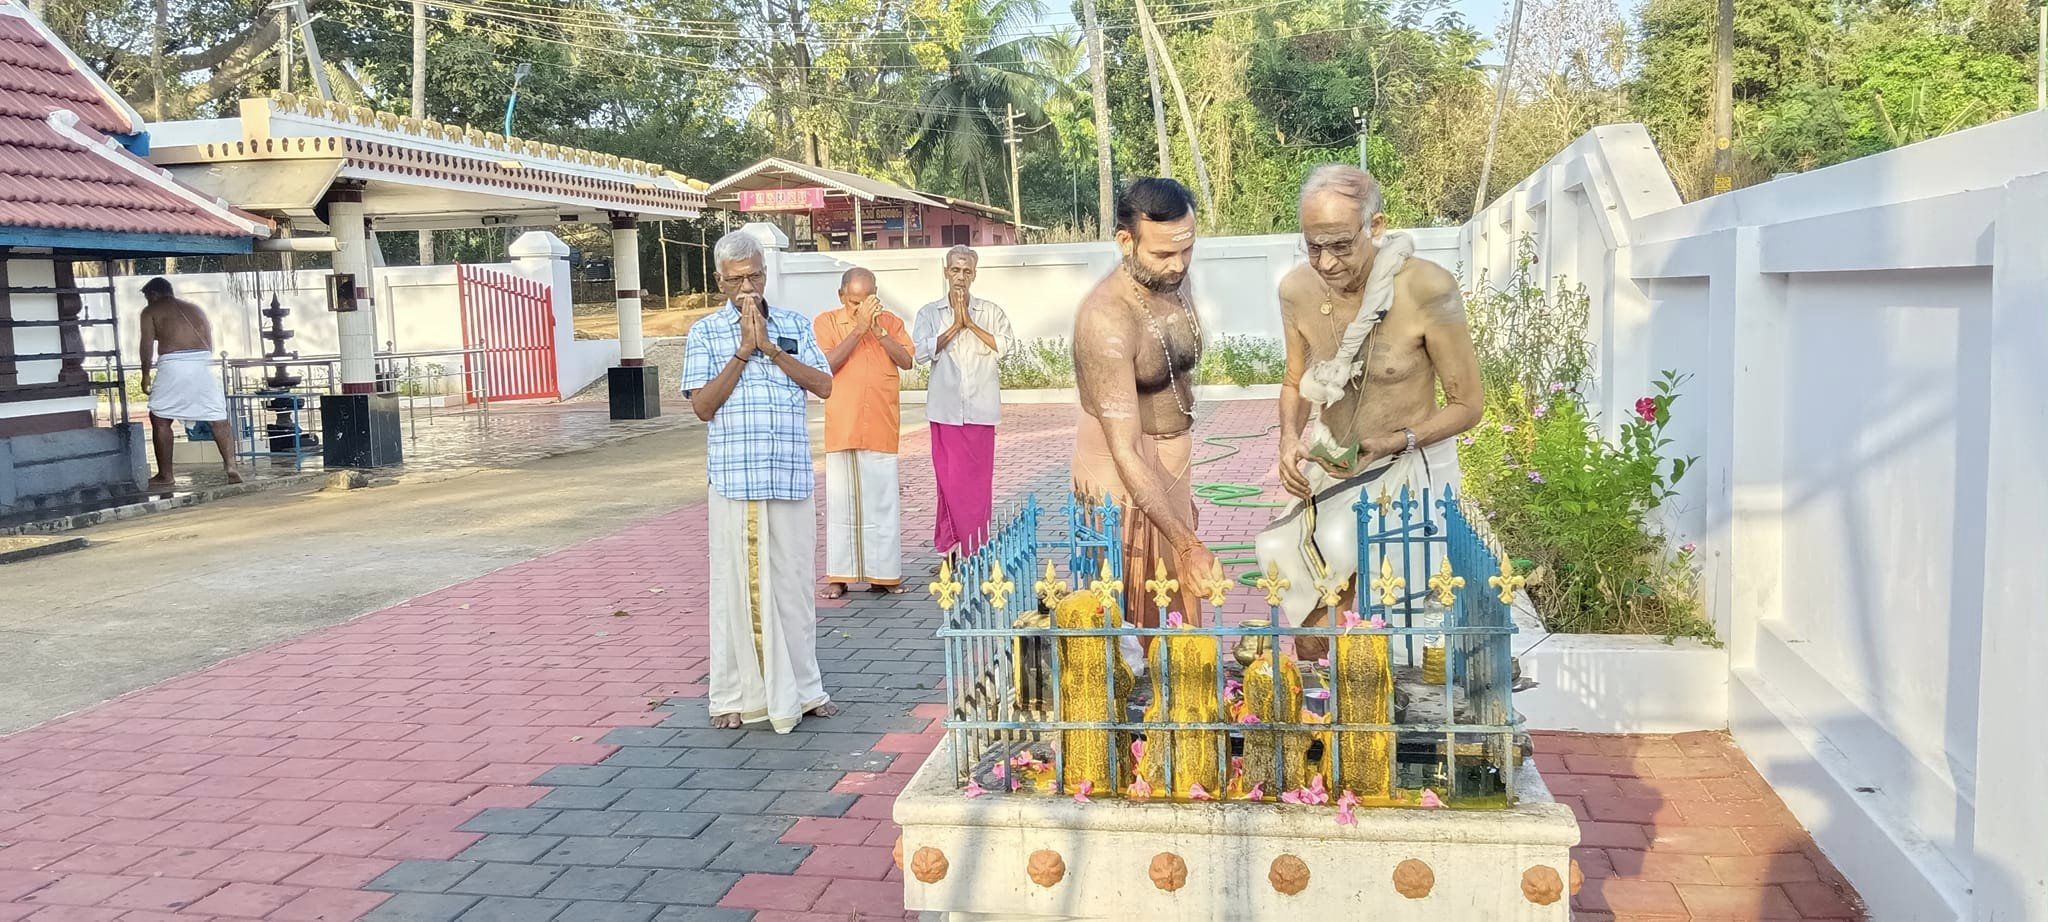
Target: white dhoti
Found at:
1325, 556
186, 388
863, 518
764, 624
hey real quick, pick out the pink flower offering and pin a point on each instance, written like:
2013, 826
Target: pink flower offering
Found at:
1001, 771
1430, 800
1138, 750
1175, 619
1377, 622
1350, 619
1257, 793
1141, 790
1646, 408
1248, 718
1290, 797
1344, 815
1317, 793
1087, 788
973, 790
1197, 792
1016, 782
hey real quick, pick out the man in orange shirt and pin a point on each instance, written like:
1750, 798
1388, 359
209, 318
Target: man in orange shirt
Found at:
867, 349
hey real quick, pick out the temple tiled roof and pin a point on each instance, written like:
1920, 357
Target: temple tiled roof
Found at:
60, 165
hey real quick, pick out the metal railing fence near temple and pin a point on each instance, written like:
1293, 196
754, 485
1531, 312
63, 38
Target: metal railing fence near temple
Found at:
1043, 693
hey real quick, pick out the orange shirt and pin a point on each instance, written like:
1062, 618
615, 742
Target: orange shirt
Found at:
862, 412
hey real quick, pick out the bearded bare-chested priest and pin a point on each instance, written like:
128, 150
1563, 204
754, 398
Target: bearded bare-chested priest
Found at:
1372, 335
1137, 340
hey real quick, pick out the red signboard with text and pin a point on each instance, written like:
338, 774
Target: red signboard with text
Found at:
809, 199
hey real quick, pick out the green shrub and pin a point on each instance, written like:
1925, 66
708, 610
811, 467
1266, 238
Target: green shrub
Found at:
1575, 509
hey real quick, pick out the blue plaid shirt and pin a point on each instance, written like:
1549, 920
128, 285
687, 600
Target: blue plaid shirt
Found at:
759, 445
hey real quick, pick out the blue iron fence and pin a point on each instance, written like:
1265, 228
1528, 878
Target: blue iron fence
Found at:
1424, 574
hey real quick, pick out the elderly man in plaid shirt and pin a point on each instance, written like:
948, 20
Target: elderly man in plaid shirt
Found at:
747, 370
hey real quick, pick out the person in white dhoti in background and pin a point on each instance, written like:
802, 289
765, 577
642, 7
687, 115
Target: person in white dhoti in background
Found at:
746, 371
868, 350
1372, 335
179, 377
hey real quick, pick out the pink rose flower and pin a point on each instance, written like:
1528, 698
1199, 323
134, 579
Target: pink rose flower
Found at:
1087, 788
1647, 409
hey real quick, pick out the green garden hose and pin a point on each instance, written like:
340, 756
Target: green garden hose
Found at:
1235, 495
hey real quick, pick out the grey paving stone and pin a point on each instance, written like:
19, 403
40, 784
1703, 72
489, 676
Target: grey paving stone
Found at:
422, 876
763, 739
775, 759
736, 801
682, 854
638, 736
682, 825
798, 781
499, 879
609, 912
657, 801
747, 828
812, 803
760, 857
506, 847
569, 775
593, 851
855, 762
704, 914
712, 758
514, 909
421, 907
724, 779
586, 823
579, 798
643, 757
842, 742
652, 778
701, 888
596, 883
701, 737
507, 819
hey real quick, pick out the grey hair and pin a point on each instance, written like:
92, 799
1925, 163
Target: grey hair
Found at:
1351, 183
735, 247
961, 249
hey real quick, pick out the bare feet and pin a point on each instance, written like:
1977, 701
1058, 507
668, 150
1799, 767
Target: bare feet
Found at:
828, 709
887, 590
726, 722
160, 483
833, 591
234, 475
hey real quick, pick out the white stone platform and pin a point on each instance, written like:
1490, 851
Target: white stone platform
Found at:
1018, 857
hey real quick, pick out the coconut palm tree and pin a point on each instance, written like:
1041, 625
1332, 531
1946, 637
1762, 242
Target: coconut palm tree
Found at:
959, 120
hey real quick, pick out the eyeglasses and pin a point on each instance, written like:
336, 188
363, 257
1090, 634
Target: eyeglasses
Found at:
753, 278
1342, 249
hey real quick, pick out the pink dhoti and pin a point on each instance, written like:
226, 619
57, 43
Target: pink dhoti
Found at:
964, 467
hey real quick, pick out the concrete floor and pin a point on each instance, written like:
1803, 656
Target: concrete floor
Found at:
164, 595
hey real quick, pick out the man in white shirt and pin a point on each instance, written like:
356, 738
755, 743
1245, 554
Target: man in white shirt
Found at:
962, 337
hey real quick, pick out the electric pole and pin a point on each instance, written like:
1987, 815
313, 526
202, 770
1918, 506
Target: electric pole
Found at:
1016, 203
1500, 101
284, 49
1180, 101
419, 102
1724, 97
1105, 200
1158, 105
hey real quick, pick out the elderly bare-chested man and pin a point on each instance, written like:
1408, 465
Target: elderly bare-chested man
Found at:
1137, 341
1372, 334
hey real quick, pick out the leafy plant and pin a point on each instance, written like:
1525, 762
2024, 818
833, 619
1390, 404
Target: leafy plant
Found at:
1243, 360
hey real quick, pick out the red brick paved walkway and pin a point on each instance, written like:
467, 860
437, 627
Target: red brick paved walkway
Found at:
280, 784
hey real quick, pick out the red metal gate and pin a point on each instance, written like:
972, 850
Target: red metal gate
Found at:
513, 320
